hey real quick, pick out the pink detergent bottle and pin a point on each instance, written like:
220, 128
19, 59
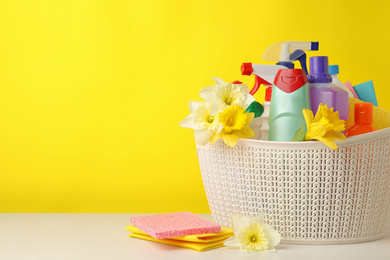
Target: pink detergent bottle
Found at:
322, 90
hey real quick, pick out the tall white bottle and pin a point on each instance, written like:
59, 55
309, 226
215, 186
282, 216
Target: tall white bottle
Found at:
334, 70
265, 116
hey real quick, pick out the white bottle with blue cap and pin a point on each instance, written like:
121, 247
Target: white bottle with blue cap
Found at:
334, 70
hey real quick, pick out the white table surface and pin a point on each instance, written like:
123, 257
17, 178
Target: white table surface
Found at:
104, 236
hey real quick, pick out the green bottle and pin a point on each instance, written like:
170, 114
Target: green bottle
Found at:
290, 95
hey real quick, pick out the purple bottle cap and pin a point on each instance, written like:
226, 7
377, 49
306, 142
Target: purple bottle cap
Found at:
319, 70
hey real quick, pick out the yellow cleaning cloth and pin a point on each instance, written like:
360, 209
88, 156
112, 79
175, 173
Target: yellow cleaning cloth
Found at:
190, 245
380, 117
200, 238
201, 242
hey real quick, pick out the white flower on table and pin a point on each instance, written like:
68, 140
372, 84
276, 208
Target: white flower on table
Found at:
252, 235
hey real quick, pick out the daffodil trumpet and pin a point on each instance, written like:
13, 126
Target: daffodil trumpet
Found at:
326, 126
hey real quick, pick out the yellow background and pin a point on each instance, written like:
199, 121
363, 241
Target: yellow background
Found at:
91, 92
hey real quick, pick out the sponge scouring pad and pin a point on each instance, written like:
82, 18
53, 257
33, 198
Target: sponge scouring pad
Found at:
177, 224
366, 92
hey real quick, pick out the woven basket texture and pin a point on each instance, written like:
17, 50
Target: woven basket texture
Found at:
307, 191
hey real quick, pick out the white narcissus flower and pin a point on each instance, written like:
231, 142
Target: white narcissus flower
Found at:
227, 94
203, 119
252, 235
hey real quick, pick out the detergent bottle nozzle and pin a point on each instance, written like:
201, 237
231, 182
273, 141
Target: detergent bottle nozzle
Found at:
265, 74
286, 52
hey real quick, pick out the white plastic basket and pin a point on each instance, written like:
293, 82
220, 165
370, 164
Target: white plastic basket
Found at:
310, 193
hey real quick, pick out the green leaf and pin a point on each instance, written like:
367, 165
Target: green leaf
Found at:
299, 135
255, 107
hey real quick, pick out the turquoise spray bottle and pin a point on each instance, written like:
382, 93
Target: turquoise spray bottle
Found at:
290, 95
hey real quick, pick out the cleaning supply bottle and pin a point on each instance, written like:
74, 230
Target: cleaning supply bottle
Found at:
363, 120
265, 116
290, 95
334, 70
257, 122
322, 90
286, 52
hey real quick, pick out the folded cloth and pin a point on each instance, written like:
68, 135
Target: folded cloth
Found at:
201, 242
200, 238
191, 245
174, 224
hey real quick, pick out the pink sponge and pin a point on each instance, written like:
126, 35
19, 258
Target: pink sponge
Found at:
174, 225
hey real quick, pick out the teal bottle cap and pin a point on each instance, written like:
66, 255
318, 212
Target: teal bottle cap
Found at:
333, 69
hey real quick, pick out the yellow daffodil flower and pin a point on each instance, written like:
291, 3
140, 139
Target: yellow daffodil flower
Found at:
252, 235
235, 125
205, 116
325, 127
